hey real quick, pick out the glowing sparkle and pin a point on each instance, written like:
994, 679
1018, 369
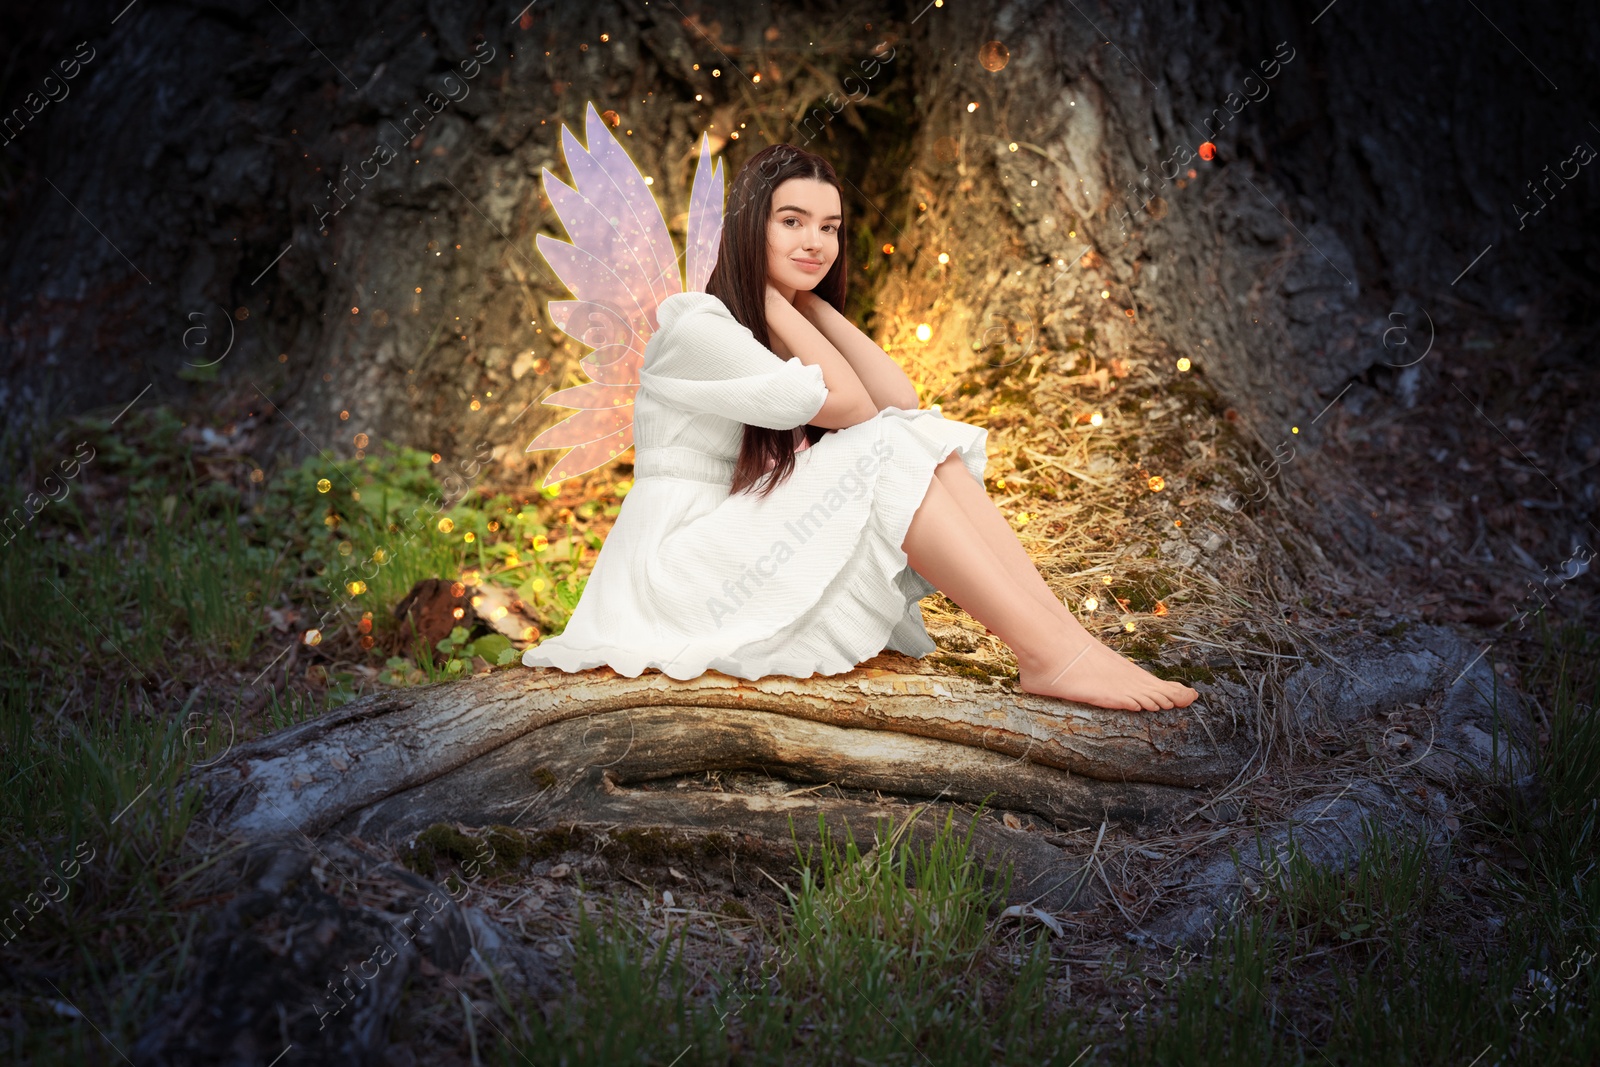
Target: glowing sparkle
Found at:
1105, 294
361, 440
944, 257
1105, 579
357, 587
446, 525
1090, 603
1157, 483
1128, 626
1183, 363
469, 537
973, 106
1012, 146
312, 637
1096, 419
459, 613
1208, 151
323, 485
924, 331
1294, 429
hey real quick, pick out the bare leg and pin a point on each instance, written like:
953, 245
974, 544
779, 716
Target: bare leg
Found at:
998, 535
1003, 543
944, 545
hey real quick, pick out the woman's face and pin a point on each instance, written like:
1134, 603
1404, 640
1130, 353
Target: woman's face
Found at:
802, 233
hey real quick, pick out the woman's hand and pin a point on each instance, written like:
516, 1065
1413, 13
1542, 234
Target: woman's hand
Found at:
774, 298
806, 301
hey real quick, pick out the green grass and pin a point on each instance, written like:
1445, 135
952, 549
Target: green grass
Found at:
884, 958
134, 613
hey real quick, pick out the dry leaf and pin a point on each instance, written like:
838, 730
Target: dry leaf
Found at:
1011, 820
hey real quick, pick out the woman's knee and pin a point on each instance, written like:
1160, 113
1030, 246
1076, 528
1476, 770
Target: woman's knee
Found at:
952, 471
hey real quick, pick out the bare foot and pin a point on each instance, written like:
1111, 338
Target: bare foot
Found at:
1094, 674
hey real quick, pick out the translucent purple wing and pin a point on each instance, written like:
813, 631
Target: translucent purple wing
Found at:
705, 218
620, 263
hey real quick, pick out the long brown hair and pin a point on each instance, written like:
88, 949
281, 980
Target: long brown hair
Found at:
739, 280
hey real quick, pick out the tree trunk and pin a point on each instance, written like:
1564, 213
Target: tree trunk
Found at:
524, 747
220, 128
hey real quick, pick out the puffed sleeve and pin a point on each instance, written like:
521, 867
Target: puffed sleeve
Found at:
705, 361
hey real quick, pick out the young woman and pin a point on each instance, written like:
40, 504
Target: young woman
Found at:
791, 504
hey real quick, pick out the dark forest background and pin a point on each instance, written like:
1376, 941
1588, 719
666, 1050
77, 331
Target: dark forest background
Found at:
182, 177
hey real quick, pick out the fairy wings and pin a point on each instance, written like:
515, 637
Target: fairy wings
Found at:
620, 264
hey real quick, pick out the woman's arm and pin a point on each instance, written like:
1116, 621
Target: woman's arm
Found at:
848, 401
881, 376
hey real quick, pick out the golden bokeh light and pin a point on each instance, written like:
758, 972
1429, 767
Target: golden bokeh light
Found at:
993, 56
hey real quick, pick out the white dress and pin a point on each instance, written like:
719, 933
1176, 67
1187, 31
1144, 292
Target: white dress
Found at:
810, 579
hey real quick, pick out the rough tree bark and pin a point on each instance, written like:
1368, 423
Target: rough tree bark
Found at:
183, 180
519, 746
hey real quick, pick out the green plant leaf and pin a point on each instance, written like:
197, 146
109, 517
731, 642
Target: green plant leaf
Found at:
490, 646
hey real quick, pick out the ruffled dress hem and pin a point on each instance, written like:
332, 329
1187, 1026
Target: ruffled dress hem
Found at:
856, 589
